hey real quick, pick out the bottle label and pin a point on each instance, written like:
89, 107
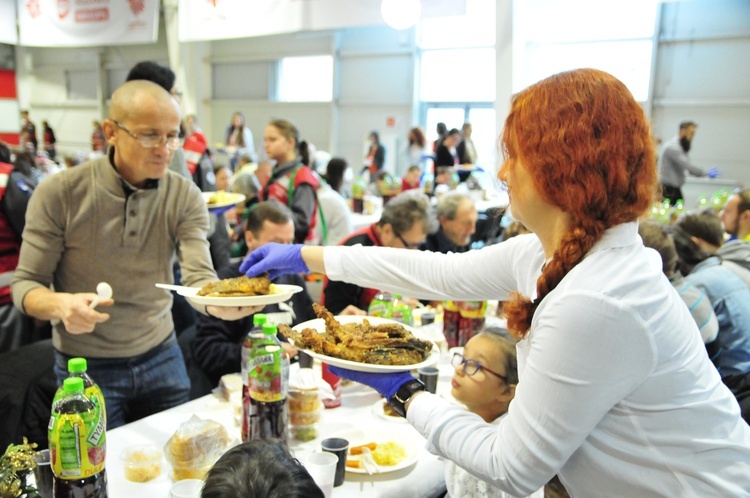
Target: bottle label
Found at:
72, 453
265, 373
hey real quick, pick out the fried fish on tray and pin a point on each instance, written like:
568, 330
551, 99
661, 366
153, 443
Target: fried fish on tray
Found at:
386, 344
236, 287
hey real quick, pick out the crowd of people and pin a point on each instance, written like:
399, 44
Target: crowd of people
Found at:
616, 367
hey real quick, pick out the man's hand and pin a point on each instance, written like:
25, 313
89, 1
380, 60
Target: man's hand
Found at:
352, 310
232, 313
75, 313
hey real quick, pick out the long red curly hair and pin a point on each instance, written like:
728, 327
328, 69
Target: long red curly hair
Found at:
586, 143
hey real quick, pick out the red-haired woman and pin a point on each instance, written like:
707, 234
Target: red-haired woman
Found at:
616, 393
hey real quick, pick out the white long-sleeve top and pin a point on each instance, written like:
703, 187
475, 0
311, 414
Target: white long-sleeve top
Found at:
616, 392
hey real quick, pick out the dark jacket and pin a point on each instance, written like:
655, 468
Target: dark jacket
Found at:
438, 242
217, 347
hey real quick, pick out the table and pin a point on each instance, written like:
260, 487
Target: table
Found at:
424, 479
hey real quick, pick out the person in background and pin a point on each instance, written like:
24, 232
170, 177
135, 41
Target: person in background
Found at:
706, 230
442, 132
457, 215
655, 237
49, 140
378, 185
218, 343
263, 467
239, 139
416, 146
411, 178
736, 219
336, 212
467, 153
615, 387
264, 171
292, 182
484, 380
195, 145
675, 162
731, 302
247, 185
404, 224
120, 219
15, 191
375, 159
245, 164
28, 133
165, 78
222, 175
98, 142
446, 158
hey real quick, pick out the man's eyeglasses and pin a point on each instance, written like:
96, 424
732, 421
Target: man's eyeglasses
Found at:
151, 141
405, 243
473, 366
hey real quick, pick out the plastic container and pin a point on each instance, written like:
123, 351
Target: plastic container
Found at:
305, 418
142, 462
304, 432
304, 400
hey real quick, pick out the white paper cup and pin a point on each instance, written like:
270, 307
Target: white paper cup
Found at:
322, 468
187, 488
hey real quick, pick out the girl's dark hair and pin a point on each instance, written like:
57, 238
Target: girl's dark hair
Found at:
586, 143
303, 149
416, 136
263, 467
704, 224
335, 173
25, 164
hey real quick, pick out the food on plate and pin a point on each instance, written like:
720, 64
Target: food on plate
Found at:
386, 344
220, 197
236, 287
386, 454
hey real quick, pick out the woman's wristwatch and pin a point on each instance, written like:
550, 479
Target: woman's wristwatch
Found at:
403, 395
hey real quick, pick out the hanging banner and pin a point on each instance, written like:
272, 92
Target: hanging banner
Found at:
8, 32
201, 20
87, 23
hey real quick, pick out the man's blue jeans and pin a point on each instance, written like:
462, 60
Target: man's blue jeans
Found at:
138, 386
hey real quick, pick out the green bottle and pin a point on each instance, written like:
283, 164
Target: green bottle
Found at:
77, 367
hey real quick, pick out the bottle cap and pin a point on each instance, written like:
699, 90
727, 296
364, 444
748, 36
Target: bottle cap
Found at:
73, 385
259, 319
77, 365
269, 329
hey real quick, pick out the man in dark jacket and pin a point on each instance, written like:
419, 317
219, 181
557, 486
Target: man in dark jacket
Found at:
217, 346
457, 215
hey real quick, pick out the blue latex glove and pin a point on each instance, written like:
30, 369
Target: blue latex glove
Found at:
714, 172
221, 210
386, 384
276, 259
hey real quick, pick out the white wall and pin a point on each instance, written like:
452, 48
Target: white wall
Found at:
703, 75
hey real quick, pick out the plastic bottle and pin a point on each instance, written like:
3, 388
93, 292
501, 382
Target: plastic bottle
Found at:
401, 311
381, 305
451, 319
268, 385
258, 320
76, 442
359, 187
77, 367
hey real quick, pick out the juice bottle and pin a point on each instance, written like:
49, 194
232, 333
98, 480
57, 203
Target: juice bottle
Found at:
76, 443
258, 320
381, 305
77, 367
268, 385
401, 311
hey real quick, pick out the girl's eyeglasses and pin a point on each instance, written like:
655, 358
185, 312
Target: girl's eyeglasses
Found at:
473, 366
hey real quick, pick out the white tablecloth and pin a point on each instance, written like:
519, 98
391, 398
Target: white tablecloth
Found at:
356, 414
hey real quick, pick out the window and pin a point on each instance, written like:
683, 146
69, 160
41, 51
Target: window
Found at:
615, 36
305, 79
444, 77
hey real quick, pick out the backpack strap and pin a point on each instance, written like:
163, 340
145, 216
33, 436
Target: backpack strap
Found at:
289, 196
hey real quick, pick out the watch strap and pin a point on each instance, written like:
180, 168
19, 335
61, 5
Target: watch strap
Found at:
403, 395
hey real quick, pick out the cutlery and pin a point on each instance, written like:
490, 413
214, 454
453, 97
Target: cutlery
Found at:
177, 288
104, 291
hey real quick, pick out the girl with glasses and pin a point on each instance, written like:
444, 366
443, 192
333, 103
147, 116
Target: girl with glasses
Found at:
485, 382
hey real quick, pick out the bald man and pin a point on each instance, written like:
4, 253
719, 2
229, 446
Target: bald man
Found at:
119, 219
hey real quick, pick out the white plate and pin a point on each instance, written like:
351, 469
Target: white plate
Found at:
230, 199
378, 409
283, 293
357, 438
319, 325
